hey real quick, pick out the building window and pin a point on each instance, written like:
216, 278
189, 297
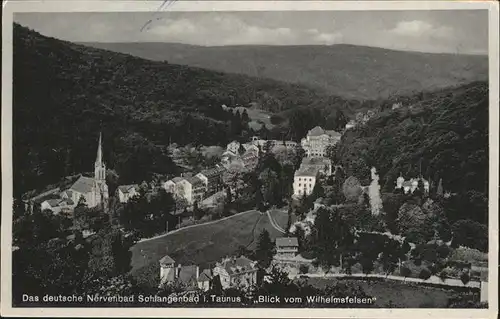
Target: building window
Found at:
299, 184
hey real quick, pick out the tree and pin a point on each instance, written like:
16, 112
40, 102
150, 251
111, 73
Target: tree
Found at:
340, 121
55, 267
270, 187
229, 196
82, 201
470, 234
424, 274
303, 269
440, 191
405, 271
318, 191
331, 151
265, 249
367, 265
299, 233
244, 117
333, 237
352, 189
299, 155
465, 278
374, 194
414, 223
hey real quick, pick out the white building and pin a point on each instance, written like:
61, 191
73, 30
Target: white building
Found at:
321, 164
409, 186
258, 142
126, 192
58, 205
351, 124
287, 247
234, 147
236, 272
304, 181
317, 140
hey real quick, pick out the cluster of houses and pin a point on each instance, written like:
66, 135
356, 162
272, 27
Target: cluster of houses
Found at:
195, 188
409, 186
315, 163
237, 272
247, 154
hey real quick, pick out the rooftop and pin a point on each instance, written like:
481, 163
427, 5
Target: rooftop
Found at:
206, 275
127, 188
177, 179
316, 131
166, 260
287, 241
195, 181
211, 172
316, 161
309, 171
187, 274
83, 185
238, 265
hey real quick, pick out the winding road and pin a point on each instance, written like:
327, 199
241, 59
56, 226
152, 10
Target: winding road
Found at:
274, 223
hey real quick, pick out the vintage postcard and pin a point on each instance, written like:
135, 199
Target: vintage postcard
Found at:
250, 158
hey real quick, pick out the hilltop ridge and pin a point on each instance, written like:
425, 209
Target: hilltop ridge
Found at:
349, 71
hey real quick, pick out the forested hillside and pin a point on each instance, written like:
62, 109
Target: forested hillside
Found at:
65, 93
442, 135
350, 71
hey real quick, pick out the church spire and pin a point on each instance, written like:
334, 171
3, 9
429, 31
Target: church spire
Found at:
100, 168
98, 161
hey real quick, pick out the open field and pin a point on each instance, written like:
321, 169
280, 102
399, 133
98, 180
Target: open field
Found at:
394, 294
257, 117
201, 245
280, 216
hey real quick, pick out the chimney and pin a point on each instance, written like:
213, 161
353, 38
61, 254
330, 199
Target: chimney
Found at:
197, 272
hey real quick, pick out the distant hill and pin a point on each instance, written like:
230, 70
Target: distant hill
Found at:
349, 71
65, 93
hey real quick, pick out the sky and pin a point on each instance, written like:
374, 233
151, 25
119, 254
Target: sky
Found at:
458, 31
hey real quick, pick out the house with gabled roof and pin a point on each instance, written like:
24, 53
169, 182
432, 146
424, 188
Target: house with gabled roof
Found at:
212, 178
236, 272
287, 247
187, 275
126, 192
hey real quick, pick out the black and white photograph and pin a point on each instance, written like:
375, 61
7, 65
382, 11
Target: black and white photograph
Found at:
338, 158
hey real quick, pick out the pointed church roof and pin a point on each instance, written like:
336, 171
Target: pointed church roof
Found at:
83, 185
98, 160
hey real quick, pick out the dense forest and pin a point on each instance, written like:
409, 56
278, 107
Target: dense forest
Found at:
65, 93
441, 135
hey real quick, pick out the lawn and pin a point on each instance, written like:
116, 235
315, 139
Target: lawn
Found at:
394, 294
280, 216
257, 116
202, 245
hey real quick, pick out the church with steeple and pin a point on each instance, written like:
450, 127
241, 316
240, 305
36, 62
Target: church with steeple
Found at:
93, 191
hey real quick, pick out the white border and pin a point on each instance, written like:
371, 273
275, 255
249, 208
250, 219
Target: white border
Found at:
135, 6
